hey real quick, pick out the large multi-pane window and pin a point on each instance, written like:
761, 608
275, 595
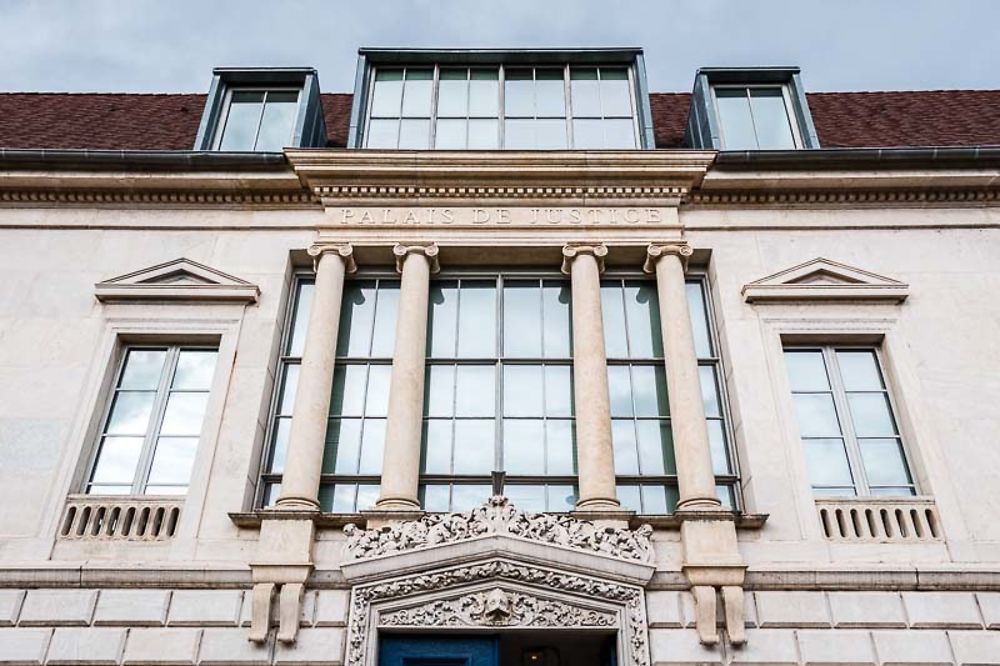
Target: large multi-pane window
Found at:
755, 118
640, 411
846, 422
355, 437
509, 107
258, 120
499, 393
154, 418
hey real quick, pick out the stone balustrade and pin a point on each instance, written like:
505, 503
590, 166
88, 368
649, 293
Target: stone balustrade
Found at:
116, 518
879, 520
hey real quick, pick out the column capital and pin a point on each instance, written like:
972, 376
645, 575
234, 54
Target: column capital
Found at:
343, 250
429, 250
571, 250
656, 251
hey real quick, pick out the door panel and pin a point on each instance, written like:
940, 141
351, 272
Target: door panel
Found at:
439, 651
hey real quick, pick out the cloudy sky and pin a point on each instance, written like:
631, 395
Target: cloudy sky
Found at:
172, 45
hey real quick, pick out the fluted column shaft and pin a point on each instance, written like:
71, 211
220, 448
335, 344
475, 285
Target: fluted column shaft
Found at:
307, 439
595, 451
401, 457
695, 478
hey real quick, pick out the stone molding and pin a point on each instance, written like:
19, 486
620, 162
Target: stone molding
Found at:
344, 250
848, 196
181, 279
429, 250
823, 279
571, 251
656, 251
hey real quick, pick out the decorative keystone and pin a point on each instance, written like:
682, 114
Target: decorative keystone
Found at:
571, 251
344, 250
656, 251
429, 250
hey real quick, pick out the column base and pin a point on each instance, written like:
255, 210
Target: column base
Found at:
603, 512
708, 503
296, 503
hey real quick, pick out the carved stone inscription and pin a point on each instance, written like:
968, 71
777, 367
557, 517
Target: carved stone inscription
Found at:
513, 216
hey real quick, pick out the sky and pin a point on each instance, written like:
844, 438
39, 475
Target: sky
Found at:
172, 45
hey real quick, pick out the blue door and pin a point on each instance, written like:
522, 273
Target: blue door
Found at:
439, 651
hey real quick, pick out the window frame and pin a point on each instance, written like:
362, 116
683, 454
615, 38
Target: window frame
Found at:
227, 105
786, 98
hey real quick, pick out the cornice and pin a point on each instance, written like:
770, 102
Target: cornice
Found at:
776, 196
169, 198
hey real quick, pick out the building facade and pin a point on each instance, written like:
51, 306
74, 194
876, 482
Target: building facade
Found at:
501, 359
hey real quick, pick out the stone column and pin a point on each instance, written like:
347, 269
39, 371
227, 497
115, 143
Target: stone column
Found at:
695, 477
307, 439
595, 451
401, 457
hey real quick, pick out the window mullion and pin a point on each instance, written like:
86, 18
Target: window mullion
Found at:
568, 102
753, 119
842, 408
435, 91
502, 110
260, 119
158, 412
498, 394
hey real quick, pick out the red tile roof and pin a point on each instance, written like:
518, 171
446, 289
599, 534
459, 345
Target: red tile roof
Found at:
170, 122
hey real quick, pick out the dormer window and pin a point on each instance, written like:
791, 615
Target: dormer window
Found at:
260, 120
755, 118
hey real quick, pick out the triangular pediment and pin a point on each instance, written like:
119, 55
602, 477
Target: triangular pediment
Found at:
825, 279
180, 279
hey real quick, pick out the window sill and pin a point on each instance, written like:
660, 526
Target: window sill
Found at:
673, 521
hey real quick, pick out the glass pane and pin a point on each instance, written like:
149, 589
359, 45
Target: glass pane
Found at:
142, 369
484, 134
550, 93
387, 93
343, 439
442, 319
165, 490
655, 500
417, 93
586, 96
557, 319
477, 320
558, 390
699, 320
343, 498
522, 319
414, 134
717, 444
725, 495
628, 496
817, 416
110, 490
626, 456
272, 492
383, 133
357, 318
734, 115
519, 135
240, 132
436, 498
561, 498
806, 371
619, 133
615, 98
453, 94
523, 446
194, 370
827, 462
372, 444
620, 390
278, 121
348, 394
117, 460
643, 315
656, 447
527, 498
859, 370
300, 319
613, 315
439, 390
474, 446
367, 496
588, 134
386, 313
522, 390
650, 390
835, 492
173, 460
550, 134
871, 415
437, 447
561, 459
279, 446
475, 390
130, 413
519, 97
885, 464
377, 395
484, 92
466, 497
709, 390
894, 492
450, 134
770, 118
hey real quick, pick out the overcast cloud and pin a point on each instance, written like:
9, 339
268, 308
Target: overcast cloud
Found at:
172, 45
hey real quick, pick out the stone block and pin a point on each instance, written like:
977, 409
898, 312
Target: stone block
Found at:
85, 646
137, 608
161, 647
680, 647
10, 606
944, 610
792, 609
322, 644
23, 646
898, 647
822, 647
775, 647
58, 608
976, 648
989, 604
867, 609
230, 646
205, 608
749, 610
663, 608
331, 608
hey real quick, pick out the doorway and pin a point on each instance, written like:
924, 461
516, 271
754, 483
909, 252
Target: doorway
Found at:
515, 648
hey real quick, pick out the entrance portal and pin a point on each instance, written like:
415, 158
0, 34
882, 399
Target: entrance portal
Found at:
518, 648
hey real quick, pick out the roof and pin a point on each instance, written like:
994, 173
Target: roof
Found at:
121, 121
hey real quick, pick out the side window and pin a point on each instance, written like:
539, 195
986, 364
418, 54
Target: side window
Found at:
846, 422
155, 412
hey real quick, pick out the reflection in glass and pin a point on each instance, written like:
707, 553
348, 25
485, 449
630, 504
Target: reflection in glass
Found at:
184, 414
734, 115
816, 414
871, 415
142, 369
117, 460
806, 371
130, 413
172, 460
827, 461
770, 119
523, 446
